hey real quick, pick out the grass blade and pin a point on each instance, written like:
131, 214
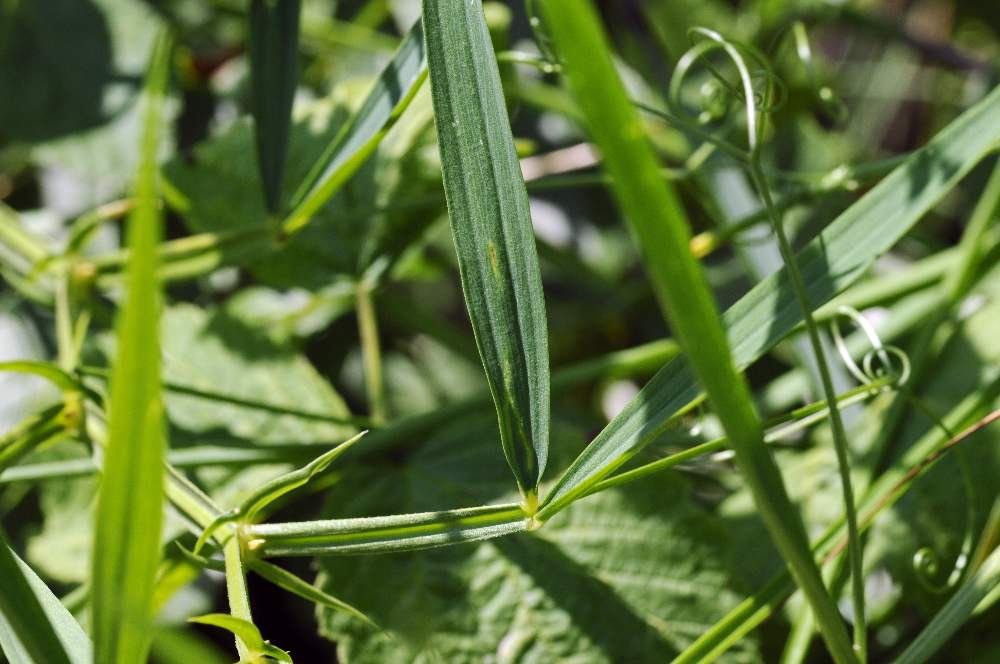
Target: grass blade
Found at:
392, 93
274, 73
402, 532
31, 623
491, 226
130, 505
663, 234
769, 312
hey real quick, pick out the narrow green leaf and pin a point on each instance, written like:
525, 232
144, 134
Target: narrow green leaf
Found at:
392, 93
49, 372
28, 631
279, 486
245, 631
276, 488
274, 73
402, 532
491, 226
663, 234
34, 432
769, 312
293, 584
130, 504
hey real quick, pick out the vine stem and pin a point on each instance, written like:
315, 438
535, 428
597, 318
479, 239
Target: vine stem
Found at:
371, 352
855, 554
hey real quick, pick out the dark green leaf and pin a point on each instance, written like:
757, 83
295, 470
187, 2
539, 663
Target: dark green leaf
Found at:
274, 71
491, 226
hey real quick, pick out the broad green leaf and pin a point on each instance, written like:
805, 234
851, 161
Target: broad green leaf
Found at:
491, 226
829, 263
664, 236
360, 136
30, 628
130, 506
274, 74
934, 514
630, 575
213, 351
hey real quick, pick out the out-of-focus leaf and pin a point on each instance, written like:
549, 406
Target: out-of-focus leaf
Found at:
213, 351
219, 191
393, 91
491, 226
60, 550
95, 51
130, 505
174, 645
274, 72
34, 626
629, 575
58, 56
934, 513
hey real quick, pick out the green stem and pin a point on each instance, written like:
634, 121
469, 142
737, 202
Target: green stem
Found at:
236, 588
64, 323
855, 554
371, 352
400, 532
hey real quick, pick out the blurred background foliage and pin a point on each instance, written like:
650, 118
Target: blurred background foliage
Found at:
659, 561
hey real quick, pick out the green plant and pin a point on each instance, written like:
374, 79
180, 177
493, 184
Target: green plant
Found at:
205, 379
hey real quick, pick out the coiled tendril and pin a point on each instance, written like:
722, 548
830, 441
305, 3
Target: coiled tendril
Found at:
892, 361
880, 361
